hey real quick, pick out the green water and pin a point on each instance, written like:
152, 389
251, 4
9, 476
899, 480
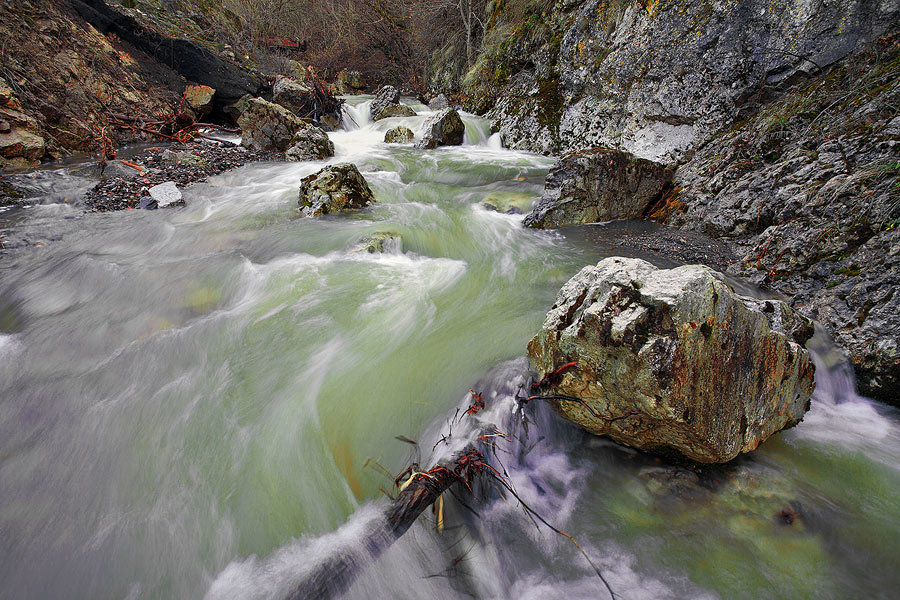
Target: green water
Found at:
189, 397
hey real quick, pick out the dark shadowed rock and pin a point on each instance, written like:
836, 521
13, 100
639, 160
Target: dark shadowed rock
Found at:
336, 188
598, 185
445, 128
268, 126
674, 361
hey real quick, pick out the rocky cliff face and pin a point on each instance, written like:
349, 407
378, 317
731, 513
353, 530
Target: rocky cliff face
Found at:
782, 120
657, 78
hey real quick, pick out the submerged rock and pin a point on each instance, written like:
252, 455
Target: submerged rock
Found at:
511, 203
598, 185
399, 135
198, 101
393, 110
446, 128
267, 126
335, 188
674, 361
383, 97
310, 143
381, 242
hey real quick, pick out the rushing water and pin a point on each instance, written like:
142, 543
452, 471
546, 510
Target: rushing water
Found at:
189, 400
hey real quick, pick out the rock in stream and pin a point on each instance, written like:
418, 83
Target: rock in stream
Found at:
675, 361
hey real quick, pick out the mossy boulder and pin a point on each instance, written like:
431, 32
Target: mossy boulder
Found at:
310, 143
399, 135
674, 361
336, 188
394, 110
268, 126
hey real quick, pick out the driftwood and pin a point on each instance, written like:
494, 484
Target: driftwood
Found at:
334, 576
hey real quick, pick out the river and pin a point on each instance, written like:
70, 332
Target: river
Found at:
195, 402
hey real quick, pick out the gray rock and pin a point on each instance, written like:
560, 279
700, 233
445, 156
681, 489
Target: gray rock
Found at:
598, 185
383, 97
674, 361
445, 128
292, 94
268, 126
393, 110
310, 143
336, 188
399, 135
439, 102
5, 127
166, 194
658, 80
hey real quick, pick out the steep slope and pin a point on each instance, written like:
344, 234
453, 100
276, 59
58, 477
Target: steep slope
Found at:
781, 117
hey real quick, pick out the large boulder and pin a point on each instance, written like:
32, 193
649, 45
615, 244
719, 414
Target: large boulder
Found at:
310, 143
445, 128
267, 126
294, 95
598, 185
399, 135
393, 110
198, 101
334, 189
674, 361
383, 97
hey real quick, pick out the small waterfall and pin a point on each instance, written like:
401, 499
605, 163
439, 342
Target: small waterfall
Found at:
356, 116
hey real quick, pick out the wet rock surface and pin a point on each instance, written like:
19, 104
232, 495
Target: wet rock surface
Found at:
445, 128
198, 161
384, 97
310, 143
380, 242
334, 189
598, 185
399, 135
393, 110
673, 361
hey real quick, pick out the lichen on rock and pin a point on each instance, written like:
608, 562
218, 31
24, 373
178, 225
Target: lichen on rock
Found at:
336, 188
675, 361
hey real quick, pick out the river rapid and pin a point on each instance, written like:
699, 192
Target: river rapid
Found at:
203, 402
